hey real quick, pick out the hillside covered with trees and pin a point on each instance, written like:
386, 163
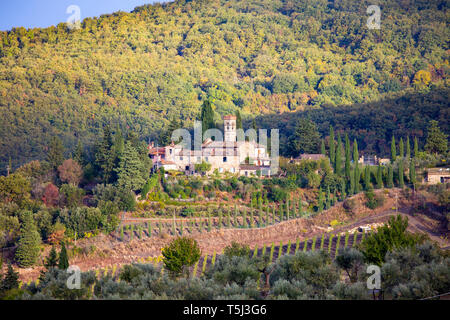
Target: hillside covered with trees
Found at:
138, 70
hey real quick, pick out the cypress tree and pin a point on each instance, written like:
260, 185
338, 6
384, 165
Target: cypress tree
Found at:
320, 201
393, 150
331, 145
63, 258
347, 158
29, 243
412, 173
401, 148
401, 182
390, 180
408, 148
343, 193
322, 148
104, 155
416, 147
328, 201
379, 177
207, 116
352, 182
356, 173
338, 161
367, 183
238, 120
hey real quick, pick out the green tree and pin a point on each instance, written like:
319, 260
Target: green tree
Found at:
181, 254
207, 116
79, 154
238, 120
412, 173
401, 148
416, 147
379, 177
322, 148
347, 158
63, 263
131, 169
52, 260
393, 150
367, 183
55, 154
332, 146
203, 167
436, 140
10, 281
166, 137
390, 179
408, 148
338, 161
320, 201
401, 182
306, 138
356, 173
28, 248
105, 156
392, 235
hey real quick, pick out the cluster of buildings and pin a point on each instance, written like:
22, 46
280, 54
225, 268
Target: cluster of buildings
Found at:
236, 157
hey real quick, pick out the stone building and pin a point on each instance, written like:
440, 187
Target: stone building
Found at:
437, 175
229, 155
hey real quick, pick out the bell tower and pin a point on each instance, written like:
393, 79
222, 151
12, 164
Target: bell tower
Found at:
229, 126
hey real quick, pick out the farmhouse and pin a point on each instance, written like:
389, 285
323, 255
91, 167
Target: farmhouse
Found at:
437, 175
230, 155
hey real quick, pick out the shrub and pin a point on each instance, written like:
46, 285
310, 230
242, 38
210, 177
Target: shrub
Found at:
181, 254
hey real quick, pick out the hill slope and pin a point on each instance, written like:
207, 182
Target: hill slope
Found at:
139, 69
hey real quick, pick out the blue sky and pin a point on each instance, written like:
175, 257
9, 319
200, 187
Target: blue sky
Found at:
45, 13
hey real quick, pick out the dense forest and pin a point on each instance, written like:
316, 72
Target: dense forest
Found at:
138, 70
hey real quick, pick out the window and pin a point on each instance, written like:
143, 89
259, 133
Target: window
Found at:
221, 170
171, 151
206, 159
224, 159
199, 159
181, 158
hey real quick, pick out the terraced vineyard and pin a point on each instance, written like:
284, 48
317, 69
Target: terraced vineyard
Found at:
330, 243
138, 228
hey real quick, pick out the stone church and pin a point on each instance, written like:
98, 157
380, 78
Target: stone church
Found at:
236, 157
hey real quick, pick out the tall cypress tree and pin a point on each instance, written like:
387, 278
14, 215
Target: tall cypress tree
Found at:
408, 148
29, 243
322, 148
401, 148
367, 183
379, 177
352, 182
347, 157
390, 179
356, 173
393, 150
416, 147
401, 181
79, 155
412, 173
320, 201
207, 116
63, 258
331, 145
238, 120
338, 161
